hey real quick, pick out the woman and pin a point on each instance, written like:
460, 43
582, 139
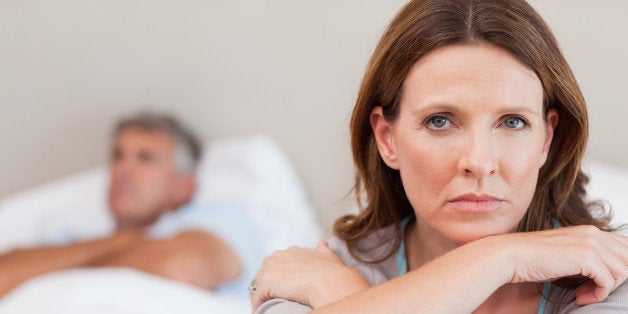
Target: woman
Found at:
467, 135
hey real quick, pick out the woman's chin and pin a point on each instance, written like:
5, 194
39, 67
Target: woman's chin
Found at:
462, 240
468, 235
461, 230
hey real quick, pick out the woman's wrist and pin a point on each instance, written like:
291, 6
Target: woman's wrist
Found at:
498, 256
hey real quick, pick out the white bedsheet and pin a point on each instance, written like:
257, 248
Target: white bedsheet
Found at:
114, 290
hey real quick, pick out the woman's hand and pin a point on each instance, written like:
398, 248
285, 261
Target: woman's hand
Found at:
571, 251
314, 278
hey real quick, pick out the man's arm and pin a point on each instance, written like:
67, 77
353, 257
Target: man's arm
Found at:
19, 265
195, 257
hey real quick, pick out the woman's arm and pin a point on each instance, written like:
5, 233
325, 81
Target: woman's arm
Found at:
464, 278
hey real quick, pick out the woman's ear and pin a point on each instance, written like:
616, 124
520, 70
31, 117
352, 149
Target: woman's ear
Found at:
382, 129
550, 126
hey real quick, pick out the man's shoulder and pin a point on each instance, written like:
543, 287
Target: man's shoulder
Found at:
208, 217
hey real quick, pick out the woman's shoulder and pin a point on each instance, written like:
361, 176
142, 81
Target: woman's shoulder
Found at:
561, 300
371, 248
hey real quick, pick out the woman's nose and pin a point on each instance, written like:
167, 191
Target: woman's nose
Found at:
479, 156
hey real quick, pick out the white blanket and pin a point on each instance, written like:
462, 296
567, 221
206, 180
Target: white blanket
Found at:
114, 290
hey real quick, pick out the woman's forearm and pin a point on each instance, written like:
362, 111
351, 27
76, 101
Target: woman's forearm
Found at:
464, 278
457, 282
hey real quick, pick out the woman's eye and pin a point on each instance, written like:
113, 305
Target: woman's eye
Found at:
515, 123
438, 123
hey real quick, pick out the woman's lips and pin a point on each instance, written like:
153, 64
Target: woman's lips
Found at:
473, 203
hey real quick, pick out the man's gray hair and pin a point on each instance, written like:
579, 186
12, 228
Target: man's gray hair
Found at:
188, 147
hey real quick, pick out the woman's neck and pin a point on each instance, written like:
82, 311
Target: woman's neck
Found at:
423, 244
512, 298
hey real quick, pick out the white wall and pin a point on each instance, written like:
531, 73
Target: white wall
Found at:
593, 35
287, 68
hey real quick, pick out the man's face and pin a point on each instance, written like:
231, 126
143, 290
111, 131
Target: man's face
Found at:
143, 177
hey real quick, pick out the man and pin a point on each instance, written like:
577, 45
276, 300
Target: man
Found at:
151, 176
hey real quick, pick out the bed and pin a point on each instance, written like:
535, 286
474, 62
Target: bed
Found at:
250, 171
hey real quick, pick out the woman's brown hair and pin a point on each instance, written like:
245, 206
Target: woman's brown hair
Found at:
423, 26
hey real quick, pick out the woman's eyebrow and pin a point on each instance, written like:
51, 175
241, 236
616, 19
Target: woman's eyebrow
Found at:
515, 109
436, 107
448, 107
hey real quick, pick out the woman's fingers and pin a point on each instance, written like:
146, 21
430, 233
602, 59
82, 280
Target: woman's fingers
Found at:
601, 276
322, 246
601, 256
312, 278
615, 257
619, 244
604, 261
585, 294
285, 273
273, 268
257, 291
582, 250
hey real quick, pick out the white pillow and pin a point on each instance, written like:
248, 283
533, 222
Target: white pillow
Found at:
77, 202
609, 183
252, 171
255, 172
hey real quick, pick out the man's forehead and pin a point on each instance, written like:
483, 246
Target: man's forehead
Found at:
145, 138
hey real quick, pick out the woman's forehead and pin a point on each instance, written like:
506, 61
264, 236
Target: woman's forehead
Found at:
472, 74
